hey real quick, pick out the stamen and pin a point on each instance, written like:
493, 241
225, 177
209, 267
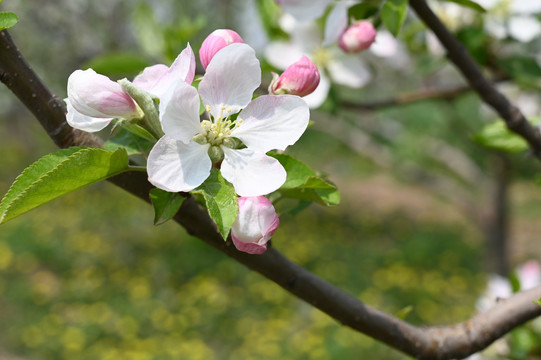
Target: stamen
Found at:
207, 108
222, 107
228, 110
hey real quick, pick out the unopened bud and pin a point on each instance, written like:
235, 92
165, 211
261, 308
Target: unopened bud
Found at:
216, 41
255, 224
300, 78
358, 37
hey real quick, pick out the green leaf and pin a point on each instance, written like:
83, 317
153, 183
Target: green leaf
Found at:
166, 204
525, 70
7, 19
470, 4
303, 183
57, 174
393, 14
133, 144
477, 42
363, 10
140, 132
117, 64
496, 136
404, 312
221, 201
538, 301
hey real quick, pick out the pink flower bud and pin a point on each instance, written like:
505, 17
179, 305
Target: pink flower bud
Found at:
95, 95
358, 37
300, 78
215, 42
254, 225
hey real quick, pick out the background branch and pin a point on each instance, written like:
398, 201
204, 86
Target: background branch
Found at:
447, 342
473, 74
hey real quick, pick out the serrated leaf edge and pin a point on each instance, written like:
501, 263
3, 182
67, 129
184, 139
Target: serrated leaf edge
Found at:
41, 179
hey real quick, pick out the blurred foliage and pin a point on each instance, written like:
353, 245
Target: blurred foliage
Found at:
89, 277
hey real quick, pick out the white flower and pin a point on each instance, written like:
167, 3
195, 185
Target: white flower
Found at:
94, 100
181, 160
344, 69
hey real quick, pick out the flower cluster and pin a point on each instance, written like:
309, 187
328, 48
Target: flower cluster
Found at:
234, 137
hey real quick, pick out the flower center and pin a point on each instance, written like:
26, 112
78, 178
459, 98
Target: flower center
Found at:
321, 57
217, 131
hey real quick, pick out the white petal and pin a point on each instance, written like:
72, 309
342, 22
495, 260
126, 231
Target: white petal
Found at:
524, 28
174, 166
272, 122
252, 173
336, 23
386, 44
158, 79
82, 122
281, 54
349, 70
179, 112
231, 78
318, 97
305, 10
525, 7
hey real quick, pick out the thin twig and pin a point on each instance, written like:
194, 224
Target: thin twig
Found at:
446, 342
408, 98
459, 56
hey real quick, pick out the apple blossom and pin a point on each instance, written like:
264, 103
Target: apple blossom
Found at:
94, 100
300, 78
358, 37
216, 41
182, 159
255, 224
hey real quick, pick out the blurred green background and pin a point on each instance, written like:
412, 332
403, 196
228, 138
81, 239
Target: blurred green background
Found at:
89, 277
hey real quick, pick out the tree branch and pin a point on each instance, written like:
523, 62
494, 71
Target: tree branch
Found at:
447, 342
408, 98
459, 56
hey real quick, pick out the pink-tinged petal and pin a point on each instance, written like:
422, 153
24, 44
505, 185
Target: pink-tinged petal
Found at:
252, 173
272, 122
529, 275
82, 122
358, 37
158, 79
349, 70
150, 76
230, 80
175, 166
179, 112
255, 224
250, 248
216, 41
96, 95
337, 22
318, 97
300, 78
